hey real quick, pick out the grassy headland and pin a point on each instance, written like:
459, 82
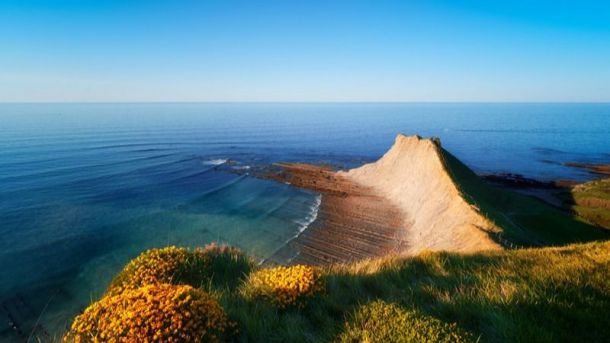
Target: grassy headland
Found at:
554, 288
541, 295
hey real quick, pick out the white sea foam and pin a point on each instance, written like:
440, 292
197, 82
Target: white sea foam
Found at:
215, 162
310, 218
241, 167
304, 223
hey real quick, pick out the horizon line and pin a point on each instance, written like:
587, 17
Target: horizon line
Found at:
306, 102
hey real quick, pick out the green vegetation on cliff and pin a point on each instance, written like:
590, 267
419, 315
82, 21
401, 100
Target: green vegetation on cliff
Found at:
542, 295
591, 201
524, 221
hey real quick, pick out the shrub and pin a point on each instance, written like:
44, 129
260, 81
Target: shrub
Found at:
219, 265
285, 286
383, 322
224, 265
153, 313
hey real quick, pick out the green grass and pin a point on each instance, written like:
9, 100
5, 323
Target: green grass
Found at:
596, 216
380, 322
591, 201
524, 295
542, 295
599, 189
525, 221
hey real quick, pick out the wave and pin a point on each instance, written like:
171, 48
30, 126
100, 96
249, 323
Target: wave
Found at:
303, 224
218, 189
310, 218
193, 175
215, 162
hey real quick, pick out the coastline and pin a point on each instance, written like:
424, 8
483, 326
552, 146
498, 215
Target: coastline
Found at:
404, 203
353, 223
408, 201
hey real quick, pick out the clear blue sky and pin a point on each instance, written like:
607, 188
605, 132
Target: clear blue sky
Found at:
180, 50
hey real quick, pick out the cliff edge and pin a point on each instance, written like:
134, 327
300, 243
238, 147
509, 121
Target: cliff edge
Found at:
414, 176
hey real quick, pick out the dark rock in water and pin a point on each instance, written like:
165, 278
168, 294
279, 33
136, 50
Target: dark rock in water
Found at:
597, 169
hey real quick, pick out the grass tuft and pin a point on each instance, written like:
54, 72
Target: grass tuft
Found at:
380, 322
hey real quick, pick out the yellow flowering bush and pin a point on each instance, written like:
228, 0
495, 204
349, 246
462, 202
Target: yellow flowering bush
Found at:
151, 267
214, 263
285, 286
152, 313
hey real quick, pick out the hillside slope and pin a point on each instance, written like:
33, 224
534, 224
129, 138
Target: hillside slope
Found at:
525, 221
448, 207
591, 201
522, 295
413, 175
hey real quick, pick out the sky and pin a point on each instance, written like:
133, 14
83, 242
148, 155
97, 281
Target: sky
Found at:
330, 50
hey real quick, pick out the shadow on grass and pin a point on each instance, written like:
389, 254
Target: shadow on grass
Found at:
591, 201
524, 295
525, 221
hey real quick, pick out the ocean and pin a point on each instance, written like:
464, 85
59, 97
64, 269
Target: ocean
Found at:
86, 187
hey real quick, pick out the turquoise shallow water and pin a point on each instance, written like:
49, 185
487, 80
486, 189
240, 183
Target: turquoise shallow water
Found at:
86, 187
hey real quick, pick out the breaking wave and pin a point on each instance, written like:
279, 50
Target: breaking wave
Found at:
215, 162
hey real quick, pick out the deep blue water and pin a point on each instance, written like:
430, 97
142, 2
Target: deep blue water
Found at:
86, 187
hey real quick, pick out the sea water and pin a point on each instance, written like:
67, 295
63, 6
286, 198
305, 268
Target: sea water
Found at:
86, 187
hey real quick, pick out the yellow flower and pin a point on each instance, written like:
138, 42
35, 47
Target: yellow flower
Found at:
183, 266
152, 313
285, 286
